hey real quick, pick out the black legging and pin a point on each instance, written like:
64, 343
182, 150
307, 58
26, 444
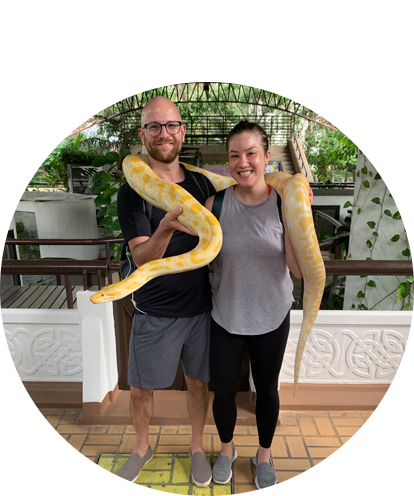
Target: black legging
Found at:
226, 357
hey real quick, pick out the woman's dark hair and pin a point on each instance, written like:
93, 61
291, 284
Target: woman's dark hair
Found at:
249, 127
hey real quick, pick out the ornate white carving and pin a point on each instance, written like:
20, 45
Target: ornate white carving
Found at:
45, 351
345, 355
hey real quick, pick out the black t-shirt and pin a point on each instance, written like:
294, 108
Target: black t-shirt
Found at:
185, 294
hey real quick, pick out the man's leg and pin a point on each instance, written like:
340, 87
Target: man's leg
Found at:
142, 410
197, 403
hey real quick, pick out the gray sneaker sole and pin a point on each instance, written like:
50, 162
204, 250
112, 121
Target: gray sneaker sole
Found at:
127, 484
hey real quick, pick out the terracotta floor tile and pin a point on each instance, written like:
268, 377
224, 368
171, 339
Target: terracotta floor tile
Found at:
324, 426
30, 489
49, 425
324, 472
371, 447
51, 489
83, 469
405, 471
240, 429
400, 454
308, 427
291, 464
244, 488
284, 420
321, 452
116, 429
48, 475
287, 430
347, 431
341, 491
99, 429
9, 489
182, 440
396, 442
348, 422
372, 466
55, 462
55, 445
73, 429
279, 448
344, 472
107, 439
97, 450
296, 447
321, 442
32, 425
75, 490
169, 429
295, 477
242, 470
246, 441
6, 463
53, 420
381, 478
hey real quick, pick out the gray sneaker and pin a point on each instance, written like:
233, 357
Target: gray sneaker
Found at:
200, 469
265, 474
222, 471
132, 468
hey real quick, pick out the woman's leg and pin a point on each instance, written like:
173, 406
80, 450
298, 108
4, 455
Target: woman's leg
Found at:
266, 356
226, 359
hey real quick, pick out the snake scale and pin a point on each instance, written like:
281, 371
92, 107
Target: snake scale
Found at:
167, 196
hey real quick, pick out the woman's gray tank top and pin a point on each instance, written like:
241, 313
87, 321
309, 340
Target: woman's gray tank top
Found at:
252, 288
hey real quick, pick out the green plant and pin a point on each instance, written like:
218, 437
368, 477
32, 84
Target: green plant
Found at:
105, 184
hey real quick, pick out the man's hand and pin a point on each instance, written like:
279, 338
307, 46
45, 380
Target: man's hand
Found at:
171, 223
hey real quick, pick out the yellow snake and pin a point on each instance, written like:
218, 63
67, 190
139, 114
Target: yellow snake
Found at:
167, 196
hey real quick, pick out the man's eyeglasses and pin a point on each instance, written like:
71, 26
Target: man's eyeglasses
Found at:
154, 129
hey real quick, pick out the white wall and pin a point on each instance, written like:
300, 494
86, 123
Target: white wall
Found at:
383, 248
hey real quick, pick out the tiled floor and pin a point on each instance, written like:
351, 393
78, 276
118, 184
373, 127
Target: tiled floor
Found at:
46, 452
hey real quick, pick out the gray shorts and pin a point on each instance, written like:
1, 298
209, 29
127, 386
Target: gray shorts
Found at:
158, 343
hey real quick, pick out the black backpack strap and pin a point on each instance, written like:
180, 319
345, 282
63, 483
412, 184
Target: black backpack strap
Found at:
218, 203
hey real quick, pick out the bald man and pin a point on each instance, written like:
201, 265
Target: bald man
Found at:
172, 313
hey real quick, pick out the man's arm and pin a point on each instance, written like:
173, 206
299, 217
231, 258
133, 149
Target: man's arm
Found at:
144, 248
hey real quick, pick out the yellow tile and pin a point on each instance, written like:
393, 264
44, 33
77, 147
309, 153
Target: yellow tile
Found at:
245, 488
182, 470
153, 477
221, 489
279, 448
284, 476
242, 471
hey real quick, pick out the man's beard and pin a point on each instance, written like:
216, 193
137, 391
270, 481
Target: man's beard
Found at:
165, 158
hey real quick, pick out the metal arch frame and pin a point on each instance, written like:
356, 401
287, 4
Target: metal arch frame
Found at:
205, 92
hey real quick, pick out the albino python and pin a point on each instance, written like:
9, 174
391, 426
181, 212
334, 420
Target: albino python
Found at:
167, 196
